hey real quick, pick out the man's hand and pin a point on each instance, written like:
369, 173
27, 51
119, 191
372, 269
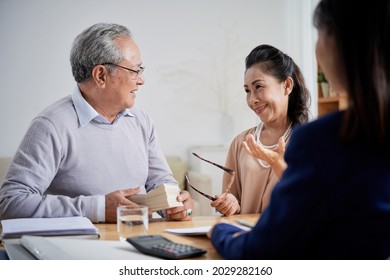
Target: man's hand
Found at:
117, 198
182, 213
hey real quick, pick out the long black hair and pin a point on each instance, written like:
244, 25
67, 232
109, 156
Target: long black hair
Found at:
363, 44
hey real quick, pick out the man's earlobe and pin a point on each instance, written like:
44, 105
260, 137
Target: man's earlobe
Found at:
99, 74
101, 78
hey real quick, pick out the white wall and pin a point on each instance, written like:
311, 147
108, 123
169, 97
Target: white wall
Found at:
193, 51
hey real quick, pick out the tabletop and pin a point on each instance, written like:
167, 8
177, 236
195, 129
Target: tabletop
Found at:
156, 226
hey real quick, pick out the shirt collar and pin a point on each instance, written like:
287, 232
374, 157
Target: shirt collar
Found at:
86, 113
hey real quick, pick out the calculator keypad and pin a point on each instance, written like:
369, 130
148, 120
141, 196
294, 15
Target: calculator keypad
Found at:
159, 246
175, 248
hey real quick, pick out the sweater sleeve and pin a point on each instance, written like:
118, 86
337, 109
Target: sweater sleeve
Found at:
30, 174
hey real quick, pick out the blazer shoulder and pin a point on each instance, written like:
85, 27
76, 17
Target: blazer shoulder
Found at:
326, 127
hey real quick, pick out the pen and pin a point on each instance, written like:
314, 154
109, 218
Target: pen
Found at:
245, 223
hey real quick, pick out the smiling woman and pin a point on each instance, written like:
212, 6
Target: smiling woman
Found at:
277, 94
332, 202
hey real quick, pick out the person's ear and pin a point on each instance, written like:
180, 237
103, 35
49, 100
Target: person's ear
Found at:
99, 74
288, 85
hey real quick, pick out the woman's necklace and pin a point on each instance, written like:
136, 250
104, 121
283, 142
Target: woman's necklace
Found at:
286, 137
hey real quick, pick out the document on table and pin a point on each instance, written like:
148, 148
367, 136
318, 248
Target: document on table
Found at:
197, 230
15, 228
189, 231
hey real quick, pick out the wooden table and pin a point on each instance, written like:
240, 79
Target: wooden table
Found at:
109, 231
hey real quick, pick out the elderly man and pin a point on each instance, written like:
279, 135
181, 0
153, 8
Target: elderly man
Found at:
86, 153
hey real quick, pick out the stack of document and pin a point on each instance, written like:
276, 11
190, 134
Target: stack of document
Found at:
160, 198
65, 226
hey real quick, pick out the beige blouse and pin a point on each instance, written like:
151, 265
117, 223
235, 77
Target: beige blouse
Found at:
253, 183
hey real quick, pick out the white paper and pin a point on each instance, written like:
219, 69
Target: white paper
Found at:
197, 230
189, 231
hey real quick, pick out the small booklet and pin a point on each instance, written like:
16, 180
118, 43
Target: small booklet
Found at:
160, 198
64, 226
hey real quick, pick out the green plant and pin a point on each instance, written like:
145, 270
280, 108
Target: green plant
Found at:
321, 77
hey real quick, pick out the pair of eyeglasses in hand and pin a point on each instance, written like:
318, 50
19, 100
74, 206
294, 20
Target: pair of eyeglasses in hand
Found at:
229, 171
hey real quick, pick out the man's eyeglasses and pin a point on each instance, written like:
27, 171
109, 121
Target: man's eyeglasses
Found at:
137, 72
230, 171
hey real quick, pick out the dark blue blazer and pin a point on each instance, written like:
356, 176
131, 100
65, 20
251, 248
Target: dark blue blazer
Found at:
332, 202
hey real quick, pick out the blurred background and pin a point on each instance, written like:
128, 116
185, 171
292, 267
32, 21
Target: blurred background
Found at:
193, 51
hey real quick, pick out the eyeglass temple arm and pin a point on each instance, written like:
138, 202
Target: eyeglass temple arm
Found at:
229, 185
195, 189
215, 164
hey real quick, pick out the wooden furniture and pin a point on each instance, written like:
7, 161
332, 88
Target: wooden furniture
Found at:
109, 231
330, 104
333, 102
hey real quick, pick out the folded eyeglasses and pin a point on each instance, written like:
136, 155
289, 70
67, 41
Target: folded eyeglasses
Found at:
229, 171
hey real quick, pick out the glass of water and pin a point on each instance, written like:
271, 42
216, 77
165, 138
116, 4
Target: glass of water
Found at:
132, 221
